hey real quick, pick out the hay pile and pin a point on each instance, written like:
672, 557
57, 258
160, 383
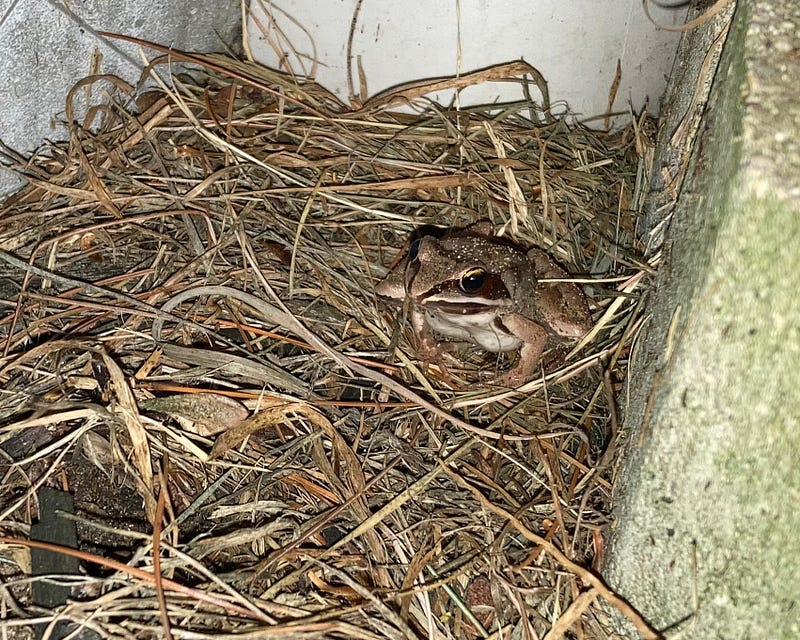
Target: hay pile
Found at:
193, 348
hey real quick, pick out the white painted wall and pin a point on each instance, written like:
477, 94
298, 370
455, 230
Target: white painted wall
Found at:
574, 43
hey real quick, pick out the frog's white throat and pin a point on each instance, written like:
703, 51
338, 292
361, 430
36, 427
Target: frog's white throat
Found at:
476, 322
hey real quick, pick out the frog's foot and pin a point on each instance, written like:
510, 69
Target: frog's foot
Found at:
431, 354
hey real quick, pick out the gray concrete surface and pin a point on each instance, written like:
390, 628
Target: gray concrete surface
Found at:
47, 45
707, 535
681, 111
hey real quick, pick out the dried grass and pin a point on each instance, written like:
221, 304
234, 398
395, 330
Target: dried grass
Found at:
350, 495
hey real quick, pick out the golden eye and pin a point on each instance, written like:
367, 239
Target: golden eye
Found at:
473, 280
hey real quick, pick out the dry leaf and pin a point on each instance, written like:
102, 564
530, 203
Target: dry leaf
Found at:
207, 413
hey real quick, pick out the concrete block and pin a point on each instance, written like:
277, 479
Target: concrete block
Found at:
45, 47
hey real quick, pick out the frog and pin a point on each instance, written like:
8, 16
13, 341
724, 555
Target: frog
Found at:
476, 287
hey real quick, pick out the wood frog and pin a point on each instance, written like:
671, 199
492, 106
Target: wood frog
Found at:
476, 287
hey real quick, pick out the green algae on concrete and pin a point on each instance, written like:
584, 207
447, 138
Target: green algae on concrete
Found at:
707, 536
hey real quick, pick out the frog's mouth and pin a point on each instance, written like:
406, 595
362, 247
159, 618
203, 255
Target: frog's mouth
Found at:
461, 307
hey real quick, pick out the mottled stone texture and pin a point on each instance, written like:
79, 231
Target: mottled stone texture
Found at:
707, 532
47, 46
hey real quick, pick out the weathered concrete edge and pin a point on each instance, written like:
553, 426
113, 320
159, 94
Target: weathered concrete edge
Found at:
708, 483
682, 108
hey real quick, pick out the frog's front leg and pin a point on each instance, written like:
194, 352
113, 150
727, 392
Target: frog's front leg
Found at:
534, 339
428, 348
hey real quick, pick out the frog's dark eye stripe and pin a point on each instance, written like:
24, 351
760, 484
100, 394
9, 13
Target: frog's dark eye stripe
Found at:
473, 280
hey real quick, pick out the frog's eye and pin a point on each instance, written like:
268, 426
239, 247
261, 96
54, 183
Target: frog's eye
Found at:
473, 280
413, 250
